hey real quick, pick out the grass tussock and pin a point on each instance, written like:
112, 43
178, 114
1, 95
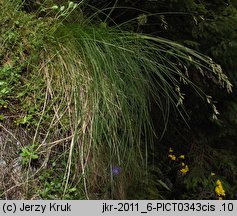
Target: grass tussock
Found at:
93, 108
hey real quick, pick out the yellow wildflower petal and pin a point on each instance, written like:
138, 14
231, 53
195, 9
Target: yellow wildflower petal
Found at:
218, 182
181, 156
212, 174
222, 191
184, 170
217, 190
172, 157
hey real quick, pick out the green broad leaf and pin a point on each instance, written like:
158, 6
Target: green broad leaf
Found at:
34, 156
5, 90
72, 190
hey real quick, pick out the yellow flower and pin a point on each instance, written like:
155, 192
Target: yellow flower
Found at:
183, 164
219, 189
212, 174
184, 170
172, 157
181, 156
171, 150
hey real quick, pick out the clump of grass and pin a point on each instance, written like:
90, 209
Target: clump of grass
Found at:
99, 82
111, 76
